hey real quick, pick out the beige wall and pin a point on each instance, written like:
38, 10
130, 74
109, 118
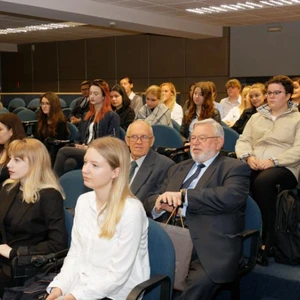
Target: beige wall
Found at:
147, 59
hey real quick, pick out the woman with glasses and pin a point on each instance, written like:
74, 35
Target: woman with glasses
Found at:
52, 124
202, 107
120, 104
257, 97
270, 144
109, 249
99, 121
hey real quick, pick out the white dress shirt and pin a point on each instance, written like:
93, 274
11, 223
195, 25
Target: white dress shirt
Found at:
97, 267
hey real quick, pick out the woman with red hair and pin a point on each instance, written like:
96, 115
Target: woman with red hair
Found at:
99, 121
202, 107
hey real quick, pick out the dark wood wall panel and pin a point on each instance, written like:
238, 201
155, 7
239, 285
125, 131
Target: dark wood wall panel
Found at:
132, 56
207, 57
101, 58
166, 57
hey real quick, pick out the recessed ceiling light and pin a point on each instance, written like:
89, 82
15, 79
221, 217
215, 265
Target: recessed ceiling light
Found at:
40, 27
242, 6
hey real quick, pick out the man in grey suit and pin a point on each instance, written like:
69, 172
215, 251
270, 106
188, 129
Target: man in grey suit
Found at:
213, 190
148, 168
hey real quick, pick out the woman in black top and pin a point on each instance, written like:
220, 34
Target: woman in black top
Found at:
120, 103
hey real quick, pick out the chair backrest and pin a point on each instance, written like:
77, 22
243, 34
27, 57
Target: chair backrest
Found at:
175, 125
34, 104
69, 224
16, 102
72, 184
3, 110
67, 112
72, 104
230, 139
166, 136
73, 131
122, 134
27, 115
18, 109
63, 103
253, 221
161, 256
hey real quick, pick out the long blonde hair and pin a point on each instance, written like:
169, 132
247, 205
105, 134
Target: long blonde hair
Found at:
171, 103
40, 175
245, 102
116, 153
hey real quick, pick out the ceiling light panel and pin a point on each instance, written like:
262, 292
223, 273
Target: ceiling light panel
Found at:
249, 5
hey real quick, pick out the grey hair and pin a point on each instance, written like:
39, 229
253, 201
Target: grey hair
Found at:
141, 122
218, 129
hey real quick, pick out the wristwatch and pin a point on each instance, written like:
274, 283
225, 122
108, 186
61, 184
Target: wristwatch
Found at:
183, 193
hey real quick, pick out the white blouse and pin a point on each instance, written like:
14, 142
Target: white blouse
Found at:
96, 267
177, 113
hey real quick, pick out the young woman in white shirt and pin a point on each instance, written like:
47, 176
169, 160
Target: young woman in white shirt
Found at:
109, 249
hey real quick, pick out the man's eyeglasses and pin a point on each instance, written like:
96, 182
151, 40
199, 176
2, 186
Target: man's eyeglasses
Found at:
275, 93
201, 138
143, 138
45, 104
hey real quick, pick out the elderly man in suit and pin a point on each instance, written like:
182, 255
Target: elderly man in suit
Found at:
148, 168
212, 190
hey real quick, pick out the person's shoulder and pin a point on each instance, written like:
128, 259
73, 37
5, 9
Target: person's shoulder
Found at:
231, 162
159, 157
223, 100
50, 194
133, 206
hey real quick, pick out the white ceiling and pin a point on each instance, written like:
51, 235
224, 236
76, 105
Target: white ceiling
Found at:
166, 17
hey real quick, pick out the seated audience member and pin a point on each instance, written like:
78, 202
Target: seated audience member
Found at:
201, 108
52, 124
257, 97
296, 94
136, 100
31, 207
233, 88
148, 167
218, 105
187, 103
82, 104
121, 105
270, 145
214, 190
99, 121
235, 113
154, 111
11, 128
168, 92
109, 250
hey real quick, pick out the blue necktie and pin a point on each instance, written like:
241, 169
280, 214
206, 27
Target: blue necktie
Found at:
188, 182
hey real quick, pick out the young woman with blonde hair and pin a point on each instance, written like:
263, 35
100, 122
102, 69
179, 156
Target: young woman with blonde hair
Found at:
154, 111
109, 252
169, 99
31, 207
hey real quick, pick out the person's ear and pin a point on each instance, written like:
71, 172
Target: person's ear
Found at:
115, 173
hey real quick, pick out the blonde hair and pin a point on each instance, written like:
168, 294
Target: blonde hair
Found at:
40, 174
245, 102
154, 90
171, 103
116, 153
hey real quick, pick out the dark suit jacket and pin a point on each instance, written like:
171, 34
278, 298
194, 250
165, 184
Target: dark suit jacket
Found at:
39, 226
215, 213
151, 175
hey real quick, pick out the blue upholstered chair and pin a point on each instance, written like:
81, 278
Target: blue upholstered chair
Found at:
230, 139
69, 224
175, 125
162, 265
63, 103
122, 134
3, 110
34, 104
72, 184
73, 103
67, 112
16, 102
73, 131
251, 241
18, 109
166, 136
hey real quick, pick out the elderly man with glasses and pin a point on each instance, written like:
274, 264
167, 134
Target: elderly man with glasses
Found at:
148, 168
212, 190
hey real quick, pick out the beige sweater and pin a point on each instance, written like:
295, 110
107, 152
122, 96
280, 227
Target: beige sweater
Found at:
279, 139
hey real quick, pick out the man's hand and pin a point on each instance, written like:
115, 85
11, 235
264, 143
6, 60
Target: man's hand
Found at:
167, 201
5, 250
55, 293
75, 120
